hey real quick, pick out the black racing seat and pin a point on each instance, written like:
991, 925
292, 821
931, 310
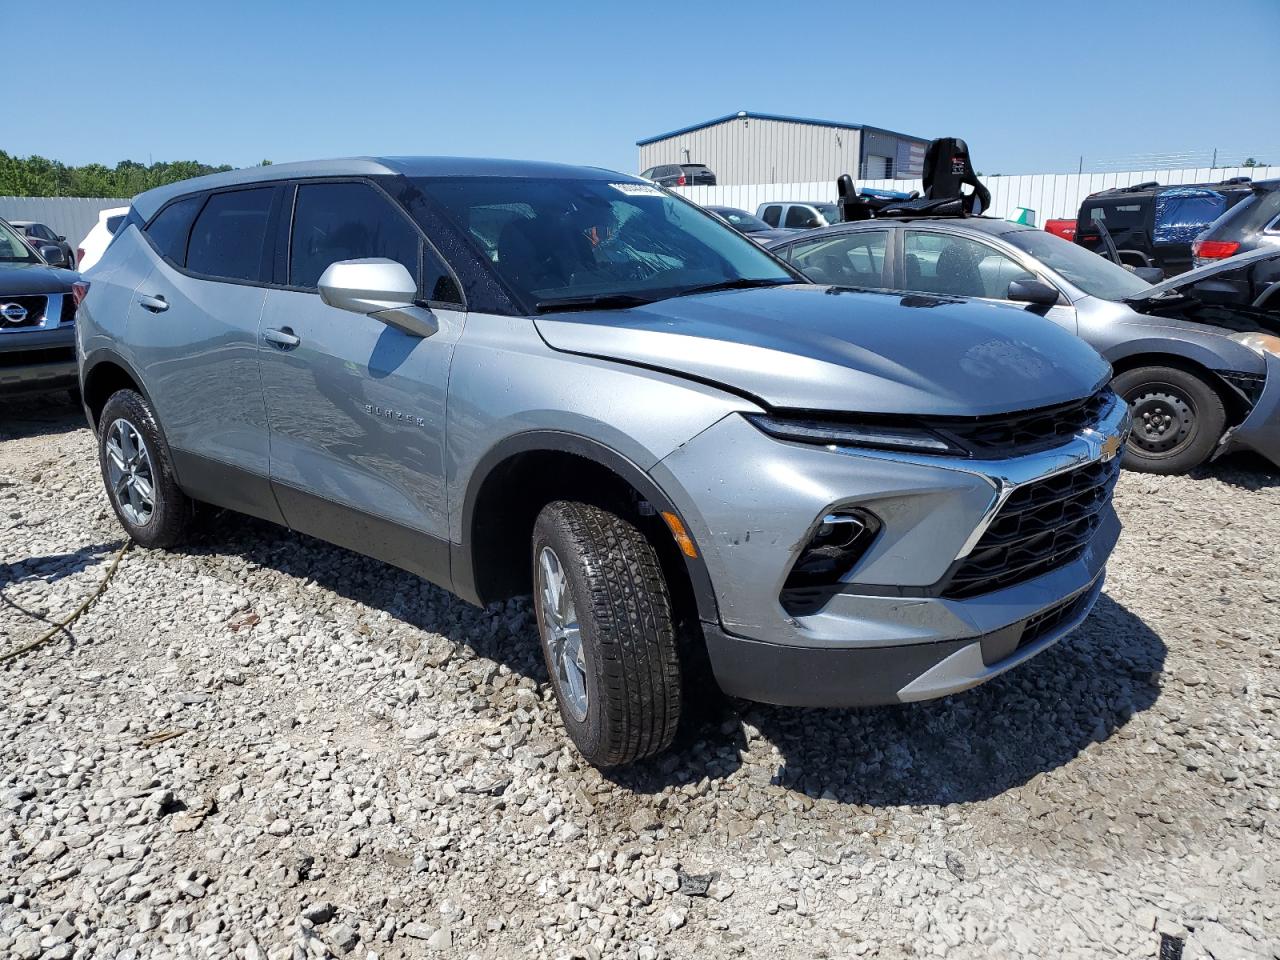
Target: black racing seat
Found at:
947, 169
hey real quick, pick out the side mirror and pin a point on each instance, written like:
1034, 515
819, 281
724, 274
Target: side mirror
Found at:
1033, 291
378, 288
61, 238
55, 256
1149, 274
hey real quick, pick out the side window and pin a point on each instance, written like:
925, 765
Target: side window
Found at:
771, 214
352, 221
171, 227
801, 217
957, 266
229, 239
43, 232
648, 174
853, 259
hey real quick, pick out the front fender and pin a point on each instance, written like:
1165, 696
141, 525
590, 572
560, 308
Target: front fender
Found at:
462, 562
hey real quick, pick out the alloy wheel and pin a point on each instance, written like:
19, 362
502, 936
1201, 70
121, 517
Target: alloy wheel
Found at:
558, 618
130, 473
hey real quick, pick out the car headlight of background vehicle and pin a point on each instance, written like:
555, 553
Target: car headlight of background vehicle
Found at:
1259, 342
835, 434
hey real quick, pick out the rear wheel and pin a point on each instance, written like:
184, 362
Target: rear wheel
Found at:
1178, 419
138, 475
608, 636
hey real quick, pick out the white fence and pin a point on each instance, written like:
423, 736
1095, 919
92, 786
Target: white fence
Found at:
1050, 195
72, 217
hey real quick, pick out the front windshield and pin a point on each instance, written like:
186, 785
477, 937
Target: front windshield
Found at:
742, 220
12, 249
557, 240
1093, 274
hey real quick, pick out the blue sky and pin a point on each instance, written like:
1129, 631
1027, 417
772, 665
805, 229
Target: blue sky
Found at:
1031, 86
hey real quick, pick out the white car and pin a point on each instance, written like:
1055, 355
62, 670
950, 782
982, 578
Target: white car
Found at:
95, 242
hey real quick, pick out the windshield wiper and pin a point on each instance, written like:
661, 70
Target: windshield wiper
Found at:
599, 301
740, 283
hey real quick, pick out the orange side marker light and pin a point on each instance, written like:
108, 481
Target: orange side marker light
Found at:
682, 536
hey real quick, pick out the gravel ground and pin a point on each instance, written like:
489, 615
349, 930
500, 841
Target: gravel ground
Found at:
263, 746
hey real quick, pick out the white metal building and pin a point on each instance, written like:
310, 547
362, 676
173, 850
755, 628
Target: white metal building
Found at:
747, 147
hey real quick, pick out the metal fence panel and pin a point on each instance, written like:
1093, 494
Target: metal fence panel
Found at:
72, 217
1050, 195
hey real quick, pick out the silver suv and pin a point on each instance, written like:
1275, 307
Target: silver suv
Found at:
517, 378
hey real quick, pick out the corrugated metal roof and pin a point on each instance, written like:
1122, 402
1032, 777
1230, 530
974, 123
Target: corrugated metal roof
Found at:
752, 115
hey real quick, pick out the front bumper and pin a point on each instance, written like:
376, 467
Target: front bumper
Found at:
874, 676
1260, 431
38, 359
890, 633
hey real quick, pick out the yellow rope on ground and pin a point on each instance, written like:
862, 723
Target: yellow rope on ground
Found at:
75, 614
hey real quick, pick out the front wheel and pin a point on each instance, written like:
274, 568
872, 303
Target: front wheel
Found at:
608, 635
1178, 419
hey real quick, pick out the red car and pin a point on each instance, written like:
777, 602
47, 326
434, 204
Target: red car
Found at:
1066, 229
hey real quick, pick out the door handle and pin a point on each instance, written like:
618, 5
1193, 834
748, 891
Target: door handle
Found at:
282, 338
156, 304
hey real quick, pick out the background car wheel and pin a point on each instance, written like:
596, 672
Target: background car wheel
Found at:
608, 637
1178, 419
138, 474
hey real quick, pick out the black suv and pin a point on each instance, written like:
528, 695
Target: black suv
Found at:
37, 313
1153, 224
681, 175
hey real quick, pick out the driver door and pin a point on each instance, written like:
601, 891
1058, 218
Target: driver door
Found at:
356, 407
951, 265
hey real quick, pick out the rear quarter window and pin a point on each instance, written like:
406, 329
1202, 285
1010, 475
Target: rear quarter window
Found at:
169, 230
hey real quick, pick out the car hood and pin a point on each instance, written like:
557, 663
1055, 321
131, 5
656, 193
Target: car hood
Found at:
772, 235
1189, 279
20, 279
811, 347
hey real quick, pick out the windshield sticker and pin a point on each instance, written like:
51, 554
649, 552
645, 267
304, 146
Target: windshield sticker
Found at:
637, 189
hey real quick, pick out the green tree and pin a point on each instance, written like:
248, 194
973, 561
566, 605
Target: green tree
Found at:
36, 176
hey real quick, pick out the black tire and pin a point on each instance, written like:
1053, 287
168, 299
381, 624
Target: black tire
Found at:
631, 674
171, 510
1178, 419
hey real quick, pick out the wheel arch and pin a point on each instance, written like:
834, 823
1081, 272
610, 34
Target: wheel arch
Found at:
1197, 363
491, 563
103, 373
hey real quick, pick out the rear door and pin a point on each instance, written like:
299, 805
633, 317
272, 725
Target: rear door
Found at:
193, 327
356, 406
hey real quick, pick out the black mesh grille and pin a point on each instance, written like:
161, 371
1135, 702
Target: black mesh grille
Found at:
1029, 431
1042, 526
35, 307
1046, 621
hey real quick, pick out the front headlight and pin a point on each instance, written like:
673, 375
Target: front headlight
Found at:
835, 434
1259, 342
